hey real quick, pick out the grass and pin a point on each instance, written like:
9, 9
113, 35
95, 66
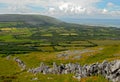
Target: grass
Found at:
9, 68
106, 42
105, 54
10, 72
6, 37
49, 35
98, 78
69, 34
6, 24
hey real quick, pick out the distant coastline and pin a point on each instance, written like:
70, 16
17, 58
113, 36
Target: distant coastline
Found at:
94, 22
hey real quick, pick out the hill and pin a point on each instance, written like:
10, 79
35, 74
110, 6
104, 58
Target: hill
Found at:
38, 20
36, 38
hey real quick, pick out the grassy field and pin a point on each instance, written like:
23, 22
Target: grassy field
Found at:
36, 45
10, 72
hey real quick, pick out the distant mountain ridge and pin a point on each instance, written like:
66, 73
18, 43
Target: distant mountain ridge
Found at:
30, 19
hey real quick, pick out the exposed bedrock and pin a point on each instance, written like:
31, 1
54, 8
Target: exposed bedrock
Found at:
110, 70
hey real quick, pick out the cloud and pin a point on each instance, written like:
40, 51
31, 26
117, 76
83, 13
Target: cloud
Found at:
59, 7
75, 6
72, 8
111, 10
110, 4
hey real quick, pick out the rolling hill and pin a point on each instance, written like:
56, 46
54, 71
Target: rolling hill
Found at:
59, 27
39, 20
37, 38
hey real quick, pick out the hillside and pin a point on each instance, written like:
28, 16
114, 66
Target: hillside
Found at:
46, 22
39, 20
28, 40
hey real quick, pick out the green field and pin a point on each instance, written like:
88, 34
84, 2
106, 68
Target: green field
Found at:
11, 72
35, 45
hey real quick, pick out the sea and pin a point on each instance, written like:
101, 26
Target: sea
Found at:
94, 22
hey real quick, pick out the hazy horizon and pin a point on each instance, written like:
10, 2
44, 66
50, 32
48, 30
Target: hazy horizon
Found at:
85, 21
94, 22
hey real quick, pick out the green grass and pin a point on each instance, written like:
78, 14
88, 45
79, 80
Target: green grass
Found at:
106, 54
50, 35
6, 37
98, 78
51, 41
106, 42
6, 24
9, 68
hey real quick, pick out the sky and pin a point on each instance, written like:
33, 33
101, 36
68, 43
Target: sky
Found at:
109, 9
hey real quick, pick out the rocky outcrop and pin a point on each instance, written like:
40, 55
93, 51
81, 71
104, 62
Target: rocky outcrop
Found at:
21, 64
77, 54
110, 70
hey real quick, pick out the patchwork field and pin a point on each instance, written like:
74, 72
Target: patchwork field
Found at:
54, 44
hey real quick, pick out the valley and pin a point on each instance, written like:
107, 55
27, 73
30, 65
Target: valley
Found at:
54, 42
